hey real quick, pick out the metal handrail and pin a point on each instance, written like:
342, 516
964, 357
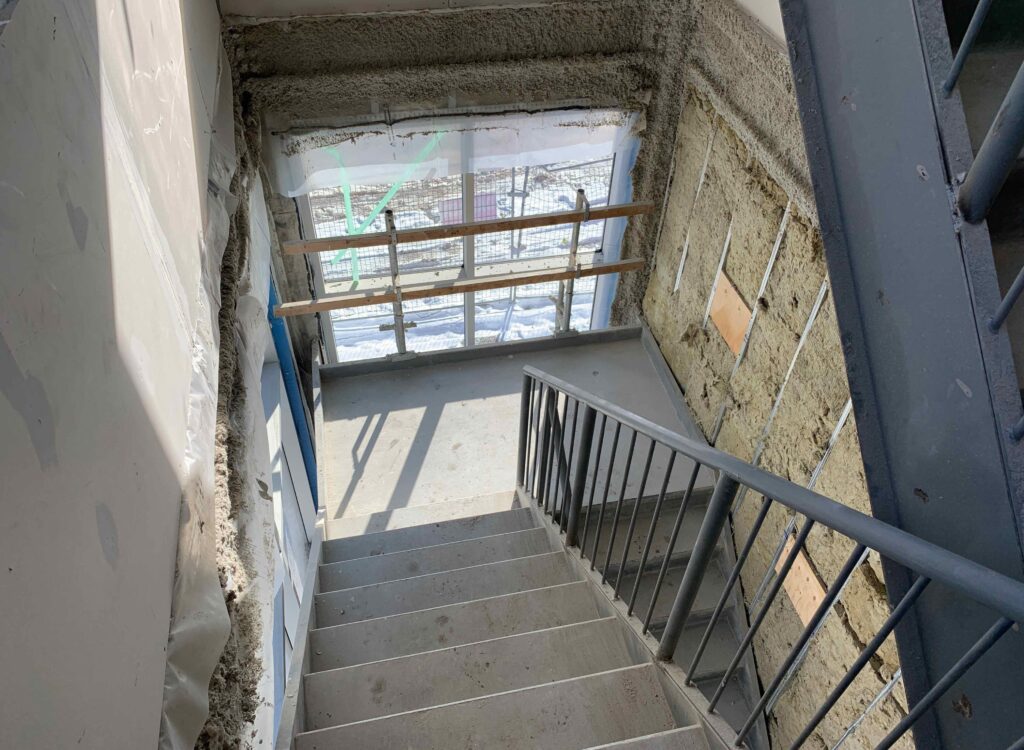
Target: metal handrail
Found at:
1002, 593
542, 429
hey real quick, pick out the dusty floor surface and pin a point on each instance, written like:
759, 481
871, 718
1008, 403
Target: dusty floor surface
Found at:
406, 438
739, 191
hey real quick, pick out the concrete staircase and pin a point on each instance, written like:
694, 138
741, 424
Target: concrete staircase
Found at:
466, 624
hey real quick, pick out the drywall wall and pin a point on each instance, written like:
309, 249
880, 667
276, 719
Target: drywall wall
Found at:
108, 245
739, 140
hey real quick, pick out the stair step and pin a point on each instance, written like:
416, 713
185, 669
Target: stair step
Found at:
451, 625
684, 738
428, 535
397, 565
567, 715
342, 696
420, 515
448, 587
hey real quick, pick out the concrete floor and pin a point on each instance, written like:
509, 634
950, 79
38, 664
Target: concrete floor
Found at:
448, 431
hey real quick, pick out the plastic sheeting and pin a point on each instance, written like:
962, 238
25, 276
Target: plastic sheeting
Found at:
199, 620
440, 146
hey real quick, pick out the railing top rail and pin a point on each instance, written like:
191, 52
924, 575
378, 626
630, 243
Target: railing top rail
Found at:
988, 587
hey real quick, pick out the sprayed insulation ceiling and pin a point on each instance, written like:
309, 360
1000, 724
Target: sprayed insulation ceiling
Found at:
291, 8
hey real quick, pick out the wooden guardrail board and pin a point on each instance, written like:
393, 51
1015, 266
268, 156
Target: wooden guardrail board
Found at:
460, 286
450, 231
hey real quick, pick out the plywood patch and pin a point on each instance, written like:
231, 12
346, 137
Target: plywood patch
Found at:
729, 313
802, 584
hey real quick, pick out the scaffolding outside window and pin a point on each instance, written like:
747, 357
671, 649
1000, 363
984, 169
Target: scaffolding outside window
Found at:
494, 315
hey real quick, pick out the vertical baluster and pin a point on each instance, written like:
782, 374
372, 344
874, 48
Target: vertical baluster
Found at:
812, 627
552, 455
957, 671
703, 551
540, 449
632, 519
618, 507
901, 609
727, 589
798, 545
524, 429
559, 457
604, 498
563, 518
676, 526
650, 533
593, 479
575, 505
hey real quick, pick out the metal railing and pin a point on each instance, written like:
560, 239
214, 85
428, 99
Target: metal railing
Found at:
557, 457
993, 164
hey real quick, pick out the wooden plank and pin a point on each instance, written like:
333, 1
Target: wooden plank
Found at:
450, 231
729, 313
802, 584
460, 286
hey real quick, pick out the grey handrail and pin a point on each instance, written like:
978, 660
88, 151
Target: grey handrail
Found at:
995, 590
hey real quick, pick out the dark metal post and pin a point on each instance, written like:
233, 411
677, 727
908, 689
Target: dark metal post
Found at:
524, 418
973, 29
576, 502
997, 155
707, 538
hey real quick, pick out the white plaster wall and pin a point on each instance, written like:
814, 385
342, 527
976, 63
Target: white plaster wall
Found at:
105, 108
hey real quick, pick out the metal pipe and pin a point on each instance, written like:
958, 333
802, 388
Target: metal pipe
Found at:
996, 157
966, 45
586, 439
593, 479
671, 545
1007, 303
915, 591
650, 533
715, 518
632, 519
985, 586
618, 507
396, 282
965, 662
812, 627
604, 499
570, 285
727, 589
1018, 745
762, 613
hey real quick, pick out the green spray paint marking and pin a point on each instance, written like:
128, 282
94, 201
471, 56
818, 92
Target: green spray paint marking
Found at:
346, 193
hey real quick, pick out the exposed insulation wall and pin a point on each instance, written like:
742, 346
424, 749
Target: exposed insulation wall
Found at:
743, 184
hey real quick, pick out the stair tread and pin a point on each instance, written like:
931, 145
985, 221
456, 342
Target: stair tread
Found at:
683, 738
420, 515
566, 715
447, 587
434, 559
427, 535
350, 694
451, 625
